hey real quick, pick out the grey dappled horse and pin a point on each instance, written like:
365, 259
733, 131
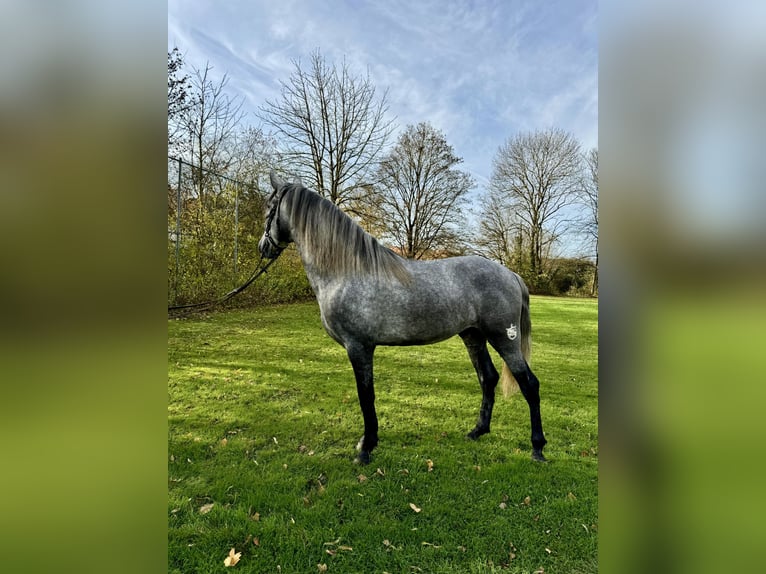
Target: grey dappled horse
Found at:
370, 296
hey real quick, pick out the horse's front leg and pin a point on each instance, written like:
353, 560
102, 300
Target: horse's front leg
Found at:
361, 361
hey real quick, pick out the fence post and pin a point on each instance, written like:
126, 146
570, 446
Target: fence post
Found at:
178, 226
236, 226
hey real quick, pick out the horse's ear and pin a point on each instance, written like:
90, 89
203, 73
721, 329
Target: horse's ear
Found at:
276, 182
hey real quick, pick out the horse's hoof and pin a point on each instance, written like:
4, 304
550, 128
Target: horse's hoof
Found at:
476, 433
538, 456
363, 458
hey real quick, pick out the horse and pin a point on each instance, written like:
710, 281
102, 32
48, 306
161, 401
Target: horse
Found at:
370, 296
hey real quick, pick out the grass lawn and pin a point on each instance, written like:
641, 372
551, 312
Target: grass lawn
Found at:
262, 423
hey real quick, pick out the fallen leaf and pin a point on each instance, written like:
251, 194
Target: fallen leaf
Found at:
232, 558
527, 501
415, 508
361, 478
224, 441
549, 551
503, 505
322, 567
540, 571
571, 496
346, 548
256, 541
429, 544
477, 468
256, 516
430, 465
205, 508
330, 552
380, 472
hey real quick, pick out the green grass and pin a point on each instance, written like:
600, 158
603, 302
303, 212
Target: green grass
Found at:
263, 418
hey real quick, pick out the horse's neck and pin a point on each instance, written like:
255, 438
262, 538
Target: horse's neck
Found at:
321, 281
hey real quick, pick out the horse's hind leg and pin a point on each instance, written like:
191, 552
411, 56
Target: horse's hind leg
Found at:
510, 351
476, 344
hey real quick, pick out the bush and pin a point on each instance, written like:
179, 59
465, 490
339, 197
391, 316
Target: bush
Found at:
284, 282
572, 277
213, 228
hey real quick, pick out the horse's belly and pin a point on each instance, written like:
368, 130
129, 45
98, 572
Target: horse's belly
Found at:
423, 326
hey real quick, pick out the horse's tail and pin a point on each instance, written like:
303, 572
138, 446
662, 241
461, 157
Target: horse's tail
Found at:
507, 380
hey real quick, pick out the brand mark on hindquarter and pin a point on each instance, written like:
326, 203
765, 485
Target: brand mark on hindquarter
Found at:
511, 331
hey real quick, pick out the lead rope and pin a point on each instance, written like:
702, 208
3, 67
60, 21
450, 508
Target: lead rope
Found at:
257, 273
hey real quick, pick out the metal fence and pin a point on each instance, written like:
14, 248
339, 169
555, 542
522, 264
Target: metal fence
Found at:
213, 220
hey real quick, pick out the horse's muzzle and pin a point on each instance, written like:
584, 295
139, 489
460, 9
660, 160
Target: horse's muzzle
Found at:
267, 248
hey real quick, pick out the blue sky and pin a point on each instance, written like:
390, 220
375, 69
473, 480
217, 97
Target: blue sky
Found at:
480, 71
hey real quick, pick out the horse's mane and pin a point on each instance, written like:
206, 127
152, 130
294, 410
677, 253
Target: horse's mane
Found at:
335, 242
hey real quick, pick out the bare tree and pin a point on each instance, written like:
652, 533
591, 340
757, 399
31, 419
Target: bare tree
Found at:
178, 99
210, 123
254, 153
588, 193
421, 192
539, 172
501, 235
332, 126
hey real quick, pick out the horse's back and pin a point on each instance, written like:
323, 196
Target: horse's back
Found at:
490, 290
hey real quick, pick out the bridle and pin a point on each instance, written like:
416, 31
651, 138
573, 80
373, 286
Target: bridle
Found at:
274, 212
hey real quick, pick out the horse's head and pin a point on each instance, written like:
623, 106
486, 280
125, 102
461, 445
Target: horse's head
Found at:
276, 234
